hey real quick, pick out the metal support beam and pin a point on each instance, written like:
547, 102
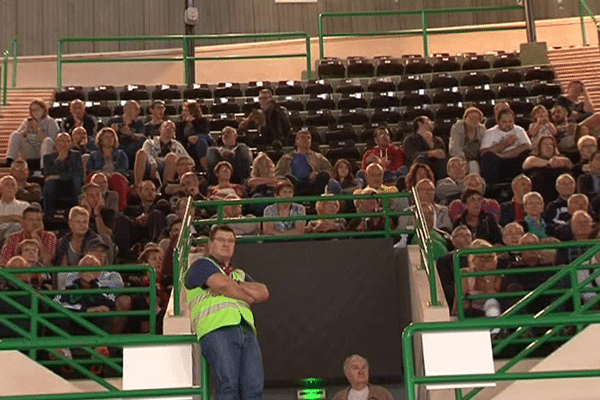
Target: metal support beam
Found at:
190, 49
529, 21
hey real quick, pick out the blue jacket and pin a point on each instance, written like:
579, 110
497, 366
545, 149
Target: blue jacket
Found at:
96, 161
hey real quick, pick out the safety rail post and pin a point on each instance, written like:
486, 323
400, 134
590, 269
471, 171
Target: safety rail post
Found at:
309, 58
424, 28
180, 251
59, 64
4, 77
186, 66
15, 51
582, 21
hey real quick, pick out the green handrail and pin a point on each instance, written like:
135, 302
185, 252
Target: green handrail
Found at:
584, 9
182, 249
411, 379
425, 31
184, 42
14, 48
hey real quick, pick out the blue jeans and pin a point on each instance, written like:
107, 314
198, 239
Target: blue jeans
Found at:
235, 360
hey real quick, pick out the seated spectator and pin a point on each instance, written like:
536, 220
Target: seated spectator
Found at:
577, 201
580, 228
188, 185
474, 182
584, 275
356, 369
78, 117
184, 164
342, 181
79, 142
374, 174
102, 218
482, 224
466, 136
71, 247
271, 120
140, 224
157, 117
533, 205
481, 284
237, 154
565, 186
439, 239
129, 132
369, 205
513, 210
326, 207
586, 145
450, 187
8, 309
503, 150
577, 102
511, 234
223, 172
153, 256
426, 193
567, 133
530, 281
32, 228
242, 228
390, 157
11, 209
310, 171
541, 125
589, 182
461, 238
422, 146
27, 191
499, 107
91, 303
27, 140
29, 249
284, 190
193, 132
544, 166
417, 172
112, 161
167, 246
111, 198
63, 171
158, 156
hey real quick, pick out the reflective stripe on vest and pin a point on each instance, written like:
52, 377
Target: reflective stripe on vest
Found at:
209, 312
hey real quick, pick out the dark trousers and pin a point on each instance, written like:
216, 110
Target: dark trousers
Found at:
495, 169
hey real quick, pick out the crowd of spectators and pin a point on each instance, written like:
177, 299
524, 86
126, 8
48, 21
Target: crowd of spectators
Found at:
116, 194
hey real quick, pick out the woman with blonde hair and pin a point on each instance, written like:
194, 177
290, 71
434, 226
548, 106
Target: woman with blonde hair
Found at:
465, 138
112, 161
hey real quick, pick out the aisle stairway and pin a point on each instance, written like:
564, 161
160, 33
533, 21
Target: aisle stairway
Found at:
578, 63
16, 110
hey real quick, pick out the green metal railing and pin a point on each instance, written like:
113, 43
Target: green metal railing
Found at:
184, 39
585, 11
411, 378
424, 31
14, 48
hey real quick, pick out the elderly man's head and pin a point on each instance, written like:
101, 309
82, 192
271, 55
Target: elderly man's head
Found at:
530, 257
461, 237
19, 170
512, 233
374, 174
457, 168
521, 185
577, 201
356, 369
425, 190
9, 188
474, 181
582, 225
565, 185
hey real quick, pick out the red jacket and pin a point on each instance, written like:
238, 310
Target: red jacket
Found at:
395, 156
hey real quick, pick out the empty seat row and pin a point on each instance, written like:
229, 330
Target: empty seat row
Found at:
287, 88
332, 67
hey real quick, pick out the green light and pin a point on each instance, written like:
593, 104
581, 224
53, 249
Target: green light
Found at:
312, 382
314, 394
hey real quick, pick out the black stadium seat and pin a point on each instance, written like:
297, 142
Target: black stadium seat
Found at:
450, 111
291, 103
411, 82
228, 89
389, 115
512, 90
320, 118
486, 107
353, 116
507, 75
506, 60
250, 104
254, 88
446, 64
475, 78
540, 73
320, 102
475, 62
352, 100
224, 105
59, 110
350, 86
197, 91
379, 85
359, 67
417, 65
385, 100
220, 121
98, 109
443, 81
389, 67
413, 112
545, 89
414, 98
340, 133
134, 92
479, 93
166, 92
102, 93
289, 88
447, 95
69, 93
331, 69
318, 87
